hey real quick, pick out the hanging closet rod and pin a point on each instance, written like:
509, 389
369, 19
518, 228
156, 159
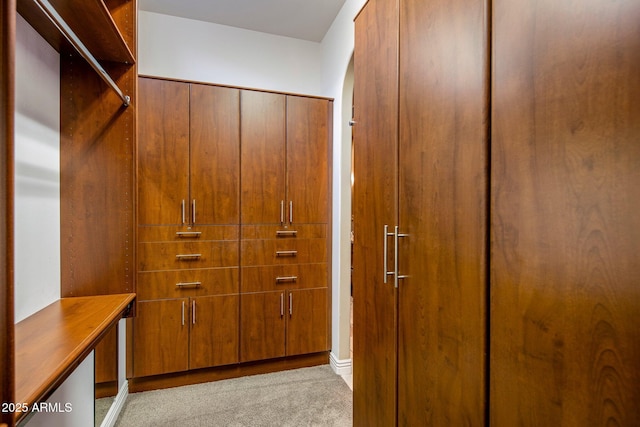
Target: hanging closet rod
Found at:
68, 33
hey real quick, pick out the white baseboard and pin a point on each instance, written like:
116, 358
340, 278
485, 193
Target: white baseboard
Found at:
340, 367
117, 405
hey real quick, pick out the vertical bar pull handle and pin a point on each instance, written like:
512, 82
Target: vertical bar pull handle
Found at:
183, 214
193, 312
385, 254
395, 257
281, 304
290, 304
193, 211
385, 248
281, 212
290, 211
182, 313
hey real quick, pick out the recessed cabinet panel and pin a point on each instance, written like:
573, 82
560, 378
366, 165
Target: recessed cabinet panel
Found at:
215, 155
161, 337
187, 283
179, 255
279, 277
263, 157
214, 331
308, 125
307, 323
163, 152
187, 234
280, 251
262, 325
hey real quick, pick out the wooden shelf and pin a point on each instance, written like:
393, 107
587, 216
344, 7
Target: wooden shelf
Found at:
51, 343
91, 21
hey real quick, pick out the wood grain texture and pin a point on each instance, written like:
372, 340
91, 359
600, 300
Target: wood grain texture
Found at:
7, 113
308, 164
109, 43
161, 337
262, 326
165, 255
214, 338
443, 204
215, 154
307, 321
51, 343
280, 251
164, 284
262, 156
106, 358
264, 278
565, 229
163, 152
375, 139
97, 180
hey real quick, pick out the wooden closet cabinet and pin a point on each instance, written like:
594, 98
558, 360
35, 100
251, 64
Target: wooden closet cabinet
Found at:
285, 142
285, 229
173, 335
188, 227
283, 323
188, 154
419, 208
284, 291
511, 269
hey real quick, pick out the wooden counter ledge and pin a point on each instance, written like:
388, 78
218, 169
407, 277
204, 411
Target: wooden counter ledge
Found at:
51, 343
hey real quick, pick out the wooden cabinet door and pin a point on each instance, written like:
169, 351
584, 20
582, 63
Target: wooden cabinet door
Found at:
443, 185
161, 337
262, 326
214, 331
215, 155
307, 323
308, 159
163, 151
262, 157
374, 206
565, 222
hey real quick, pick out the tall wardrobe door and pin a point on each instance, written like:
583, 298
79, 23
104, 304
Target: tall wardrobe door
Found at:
262, 157
374, 206
565, 222
443, 193
215, 155
163, 151
307, 151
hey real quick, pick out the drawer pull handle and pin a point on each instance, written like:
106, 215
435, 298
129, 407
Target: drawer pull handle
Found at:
188, 256
188, 284
286, 253
286, 233
188, 233
281, 279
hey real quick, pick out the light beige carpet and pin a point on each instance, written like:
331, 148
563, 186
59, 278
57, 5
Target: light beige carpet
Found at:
302, 397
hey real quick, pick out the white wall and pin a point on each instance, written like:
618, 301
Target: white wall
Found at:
337, 83
37, 163
187, 49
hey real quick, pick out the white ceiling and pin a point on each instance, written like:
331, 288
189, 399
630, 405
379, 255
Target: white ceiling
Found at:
301, 19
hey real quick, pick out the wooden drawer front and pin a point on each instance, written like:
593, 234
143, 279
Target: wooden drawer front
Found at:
279, 277
302, 231
276, 251
187, 283
186, 255
186, 234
